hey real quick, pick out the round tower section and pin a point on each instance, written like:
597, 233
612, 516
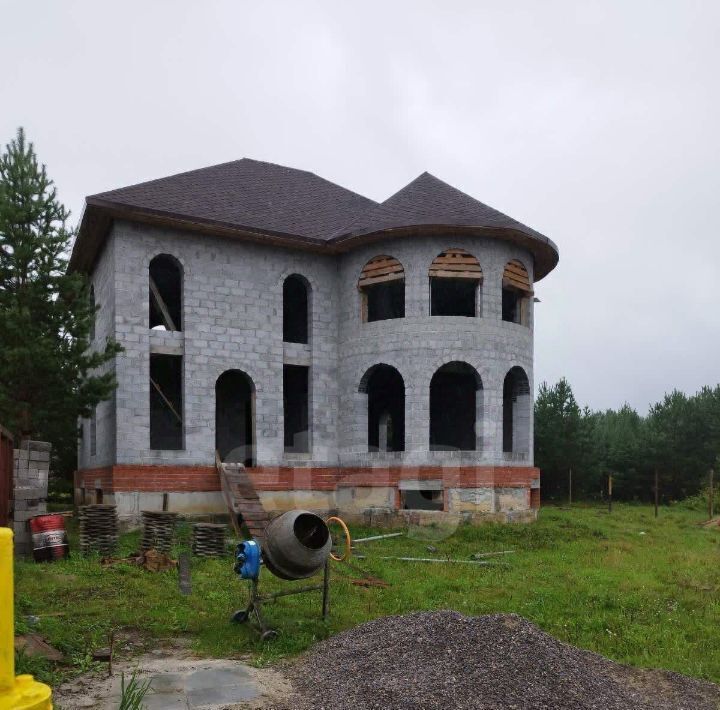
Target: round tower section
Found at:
451, 318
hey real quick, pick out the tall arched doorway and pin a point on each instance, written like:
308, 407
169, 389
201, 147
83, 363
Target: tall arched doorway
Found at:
516, 412
385, 391
235, 418
455, 402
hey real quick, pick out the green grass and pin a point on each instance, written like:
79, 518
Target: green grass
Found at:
586, 577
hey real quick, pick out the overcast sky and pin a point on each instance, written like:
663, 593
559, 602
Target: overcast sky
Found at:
596, 123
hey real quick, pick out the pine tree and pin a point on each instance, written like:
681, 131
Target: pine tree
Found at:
49, 373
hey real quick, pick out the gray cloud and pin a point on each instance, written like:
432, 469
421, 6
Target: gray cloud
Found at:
594, 122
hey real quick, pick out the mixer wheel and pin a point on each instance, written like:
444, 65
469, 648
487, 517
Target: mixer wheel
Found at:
240, 616
268, 635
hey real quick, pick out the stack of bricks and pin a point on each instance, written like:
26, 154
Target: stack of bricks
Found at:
30, 480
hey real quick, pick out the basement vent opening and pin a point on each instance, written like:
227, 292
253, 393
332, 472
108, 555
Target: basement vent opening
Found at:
419, 499
166, 406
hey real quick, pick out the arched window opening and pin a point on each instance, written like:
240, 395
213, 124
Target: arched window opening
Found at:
455, 277
516, 412
382, 289
455, 400
235, 418
385, 391
516, 293
296, 314
165, 296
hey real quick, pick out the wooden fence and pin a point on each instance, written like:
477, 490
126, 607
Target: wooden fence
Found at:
6, 475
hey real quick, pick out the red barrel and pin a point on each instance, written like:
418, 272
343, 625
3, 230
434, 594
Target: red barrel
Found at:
49, 538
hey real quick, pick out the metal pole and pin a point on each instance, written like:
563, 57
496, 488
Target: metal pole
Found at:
570, 487
326, 591
657, 489
610, 494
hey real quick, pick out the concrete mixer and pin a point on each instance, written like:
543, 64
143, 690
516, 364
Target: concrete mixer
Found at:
296, 545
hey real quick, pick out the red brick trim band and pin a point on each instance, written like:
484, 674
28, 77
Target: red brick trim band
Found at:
150, 478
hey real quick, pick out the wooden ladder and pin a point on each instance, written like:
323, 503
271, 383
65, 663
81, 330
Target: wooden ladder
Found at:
242, 500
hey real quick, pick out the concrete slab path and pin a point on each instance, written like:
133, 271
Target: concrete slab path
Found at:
179, 684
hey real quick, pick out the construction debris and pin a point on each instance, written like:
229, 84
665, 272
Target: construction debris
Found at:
426, 559
369, 581
378, 537
98, 529
208, 539
480, 555
35, 645
151, 560
158, 530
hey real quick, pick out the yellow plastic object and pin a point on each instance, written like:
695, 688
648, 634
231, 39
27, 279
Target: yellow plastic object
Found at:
348, 541
21, 692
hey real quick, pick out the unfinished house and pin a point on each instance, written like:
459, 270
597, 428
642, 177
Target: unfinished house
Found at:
355, 356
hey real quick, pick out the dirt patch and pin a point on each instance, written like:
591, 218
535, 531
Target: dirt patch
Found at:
440, 660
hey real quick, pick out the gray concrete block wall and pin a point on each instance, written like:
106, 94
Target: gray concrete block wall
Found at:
103, 281
31, 466
232, 305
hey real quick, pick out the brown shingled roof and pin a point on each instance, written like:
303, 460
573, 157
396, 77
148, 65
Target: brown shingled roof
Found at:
429, 201
251, 194
263, 201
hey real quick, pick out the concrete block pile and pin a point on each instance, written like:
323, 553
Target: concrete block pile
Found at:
30, 480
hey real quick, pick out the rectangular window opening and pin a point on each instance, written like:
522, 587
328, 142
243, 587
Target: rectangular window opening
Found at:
166, 402
453, 297
384, 301
421, 499
515, 306
296, 400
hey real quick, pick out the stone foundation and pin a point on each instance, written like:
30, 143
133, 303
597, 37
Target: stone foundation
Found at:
369, 496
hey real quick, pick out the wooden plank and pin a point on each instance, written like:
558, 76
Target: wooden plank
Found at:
516, 268
381, 271
166, 400
456, 275
381, 279
463, 257
456, 263
519, 287
514, 275
160, 303
455, 266
242, 499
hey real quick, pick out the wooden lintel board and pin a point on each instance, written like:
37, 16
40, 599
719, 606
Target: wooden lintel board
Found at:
456, 275
380, 279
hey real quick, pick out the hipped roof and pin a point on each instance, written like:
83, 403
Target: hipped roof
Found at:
260, 201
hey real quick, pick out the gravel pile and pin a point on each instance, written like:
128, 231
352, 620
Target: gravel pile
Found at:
446, 660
